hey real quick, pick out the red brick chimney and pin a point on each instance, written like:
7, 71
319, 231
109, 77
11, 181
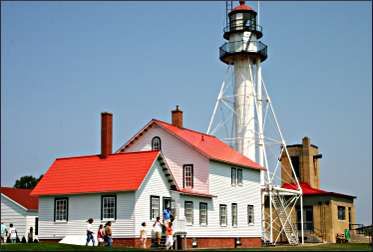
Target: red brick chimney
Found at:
177, 117
106, 134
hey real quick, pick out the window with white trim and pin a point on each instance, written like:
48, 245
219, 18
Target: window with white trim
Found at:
234, 214
109, 207
223, 215
250, 214
188, 175
233, 176
239, 176
188, 212
154, 207
203, 213
60, 209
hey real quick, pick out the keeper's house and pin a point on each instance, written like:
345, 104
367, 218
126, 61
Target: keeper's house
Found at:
213, 191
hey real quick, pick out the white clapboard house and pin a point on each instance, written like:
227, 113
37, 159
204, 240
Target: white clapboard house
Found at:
21, 209
213, 190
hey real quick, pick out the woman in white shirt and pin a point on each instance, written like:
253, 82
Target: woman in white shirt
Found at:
12, 233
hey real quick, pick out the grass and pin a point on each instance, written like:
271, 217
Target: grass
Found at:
66, 247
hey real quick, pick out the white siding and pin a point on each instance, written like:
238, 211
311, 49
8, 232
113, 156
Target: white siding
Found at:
155, 183
82, 207
13, 213
220, 186
177, 153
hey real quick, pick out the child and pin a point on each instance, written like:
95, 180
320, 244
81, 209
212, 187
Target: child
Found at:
169, 236
143, 234
100, 235
90, 232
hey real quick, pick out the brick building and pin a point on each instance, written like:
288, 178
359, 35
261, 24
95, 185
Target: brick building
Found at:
325, 214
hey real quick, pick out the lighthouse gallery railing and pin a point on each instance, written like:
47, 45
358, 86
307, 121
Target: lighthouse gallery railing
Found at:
252, 47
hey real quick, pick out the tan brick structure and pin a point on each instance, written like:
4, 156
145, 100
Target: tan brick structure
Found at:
325, 214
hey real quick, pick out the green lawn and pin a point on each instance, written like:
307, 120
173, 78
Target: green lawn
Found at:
65, 247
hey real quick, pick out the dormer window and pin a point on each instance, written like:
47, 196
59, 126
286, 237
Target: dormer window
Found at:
156, 143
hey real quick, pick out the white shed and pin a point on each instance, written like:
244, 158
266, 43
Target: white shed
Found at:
21, 209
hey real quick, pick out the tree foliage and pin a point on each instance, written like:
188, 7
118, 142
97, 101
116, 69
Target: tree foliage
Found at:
27, 182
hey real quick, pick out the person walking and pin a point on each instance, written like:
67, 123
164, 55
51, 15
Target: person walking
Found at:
143, 234
169, 236
108, 234
12, 233
4, 233
90, 232
158, 230
100, 235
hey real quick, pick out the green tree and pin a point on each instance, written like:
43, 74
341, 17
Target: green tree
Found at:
27, 182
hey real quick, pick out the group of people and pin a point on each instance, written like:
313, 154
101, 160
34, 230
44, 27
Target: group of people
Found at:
104, 234
158, 229
10, 233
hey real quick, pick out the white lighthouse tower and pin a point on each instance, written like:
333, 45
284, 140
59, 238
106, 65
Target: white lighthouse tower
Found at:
244, 117
244, 51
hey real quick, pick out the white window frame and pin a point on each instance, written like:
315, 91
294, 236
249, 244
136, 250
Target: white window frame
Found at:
234, 215
188, 173
221, 215
188, 212
233, 176
203, 213
106, 209
61, 212
250, 213
239, 178
153, 207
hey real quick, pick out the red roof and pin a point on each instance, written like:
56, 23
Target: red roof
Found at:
308, 190
208, 145
242, 6
92, 174
22, 197
192, 192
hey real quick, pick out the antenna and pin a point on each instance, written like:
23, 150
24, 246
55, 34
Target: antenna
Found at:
228, 8
258, 12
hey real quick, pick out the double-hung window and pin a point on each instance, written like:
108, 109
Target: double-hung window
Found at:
223, 215
188, 175
234, 214
239, 176
61, 208
203, 213
108, 207
233, 176
236, 176
250, 214
154, 207
341, 213
188, 212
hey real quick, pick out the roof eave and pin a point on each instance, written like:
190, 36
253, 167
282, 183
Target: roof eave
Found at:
236, 164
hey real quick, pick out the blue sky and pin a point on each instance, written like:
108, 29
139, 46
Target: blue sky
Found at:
63, 63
